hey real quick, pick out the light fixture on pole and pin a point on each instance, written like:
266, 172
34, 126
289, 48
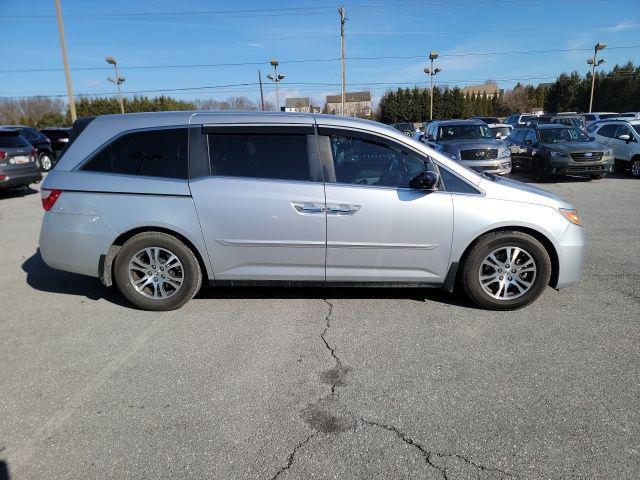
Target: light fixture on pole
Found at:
276, 78
431, 72
118, 80
594, 64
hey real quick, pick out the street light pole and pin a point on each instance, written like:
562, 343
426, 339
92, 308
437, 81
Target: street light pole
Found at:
65, 61
431, 72
118, 80
594, 64
276, 78
343, 18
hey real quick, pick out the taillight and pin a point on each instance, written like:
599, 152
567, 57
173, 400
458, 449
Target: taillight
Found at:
49, 198
2, 154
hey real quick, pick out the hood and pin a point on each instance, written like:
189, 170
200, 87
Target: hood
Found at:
468, 143
509, 189
570, 147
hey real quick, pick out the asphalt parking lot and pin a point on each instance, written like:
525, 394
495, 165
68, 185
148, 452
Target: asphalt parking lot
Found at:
323, 383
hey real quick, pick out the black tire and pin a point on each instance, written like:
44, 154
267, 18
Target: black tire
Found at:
634, 167
598, 176
46, 161
471, 268
540, 170
189, 269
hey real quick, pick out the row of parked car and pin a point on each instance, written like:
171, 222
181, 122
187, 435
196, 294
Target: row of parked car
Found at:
590, 145
25, 152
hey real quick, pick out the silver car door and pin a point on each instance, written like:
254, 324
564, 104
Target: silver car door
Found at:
379, 229
261, 205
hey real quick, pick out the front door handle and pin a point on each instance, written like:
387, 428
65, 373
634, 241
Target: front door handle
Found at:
342, 209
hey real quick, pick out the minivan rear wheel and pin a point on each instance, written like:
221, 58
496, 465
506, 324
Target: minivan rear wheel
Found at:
505, 271
157, 271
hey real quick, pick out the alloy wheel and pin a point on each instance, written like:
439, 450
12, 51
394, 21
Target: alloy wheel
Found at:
45, 161
507, 273
156, 273
635, 168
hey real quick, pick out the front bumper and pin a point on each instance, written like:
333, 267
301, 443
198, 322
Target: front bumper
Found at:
498, 166
572, 249
567, 166
19, 178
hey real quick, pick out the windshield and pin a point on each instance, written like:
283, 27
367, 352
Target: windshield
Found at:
561, 135
454, 132
608, 115
528, 118
404, 126
503, 131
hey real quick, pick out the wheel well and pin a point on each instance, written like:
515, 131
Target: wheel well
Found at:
106, 262
553, 255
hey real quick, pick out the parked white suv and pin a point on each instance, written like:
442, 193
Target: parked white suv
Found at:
624, 139
594, 117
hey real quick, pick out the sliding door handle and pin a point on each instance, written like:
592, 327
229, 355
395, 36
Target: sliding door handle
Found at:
308, 208
342, 209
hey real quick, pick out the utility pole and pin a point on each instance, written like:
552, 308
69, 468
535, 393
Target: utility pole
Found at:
65, 61
261, 92
118, 81
431, 72
343, 18
276, 78
594, 64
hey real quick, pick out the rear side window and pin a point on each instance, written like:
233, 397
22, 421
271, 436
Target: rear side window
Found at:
271, 156
12, 140
153, 153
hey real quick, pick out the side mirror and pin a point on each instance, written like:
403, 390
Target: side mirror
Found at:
425, 181
625, 136
498, 135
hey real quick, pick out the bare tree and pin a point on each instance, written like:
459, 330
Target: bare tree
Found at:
31, 111
517, 100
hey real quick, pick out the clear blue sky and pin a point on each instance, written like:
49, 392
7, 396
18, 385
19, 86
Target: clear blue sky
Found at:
168, 32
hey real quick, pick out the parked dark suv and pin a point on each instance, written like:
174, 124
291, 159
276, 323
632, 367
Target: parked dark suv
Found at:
557, 149
59, 137
18, 164
42, 144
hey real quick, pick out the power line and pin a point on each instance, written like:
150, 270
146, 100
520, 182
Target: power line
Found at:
318, 60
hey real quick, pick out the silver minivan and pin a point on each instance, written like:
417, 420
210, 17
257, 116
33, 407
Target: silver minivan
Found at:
159, 203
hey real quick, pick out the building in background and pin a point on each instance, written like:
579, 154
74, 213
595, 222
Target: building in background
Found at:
487, 89
299, 104
357, 104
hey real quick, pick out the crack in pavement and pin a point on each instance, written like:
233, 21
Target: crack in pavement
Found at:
429, 456
321, 417
292, 456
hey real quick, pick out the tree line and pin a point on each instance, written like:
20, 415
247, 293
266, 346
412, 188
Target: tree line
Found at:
617, 90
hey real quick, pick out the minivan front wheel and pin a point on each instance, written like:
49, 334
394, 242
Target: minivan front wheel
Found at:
156, 271
505, 271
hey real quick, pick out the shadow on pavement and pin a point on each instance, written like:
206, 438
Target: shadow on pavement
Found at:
401, 293
17, 193
527, 177
46, 279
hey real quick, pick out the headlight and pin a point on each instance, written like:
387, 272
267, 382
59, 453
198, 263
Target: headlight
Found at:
557, 154
505, 153
608, 153
571, 214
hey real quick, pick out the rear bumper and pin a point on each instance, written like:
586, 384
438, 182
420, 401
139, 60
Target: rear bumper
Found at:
572, 249
17, 179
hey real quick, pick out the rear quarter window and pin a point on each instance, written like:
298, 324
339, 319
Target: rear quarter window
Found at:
12, 140
153, 153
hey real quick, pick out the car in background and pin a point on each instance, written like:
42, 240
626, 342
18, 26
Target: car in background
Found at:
557, 149
471, 143
623, 137
500, 130
629, 115
487, 120
41, 143
59, 138
18, 160
593, 117
521, 119
158, 204
569, 121
407, 128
